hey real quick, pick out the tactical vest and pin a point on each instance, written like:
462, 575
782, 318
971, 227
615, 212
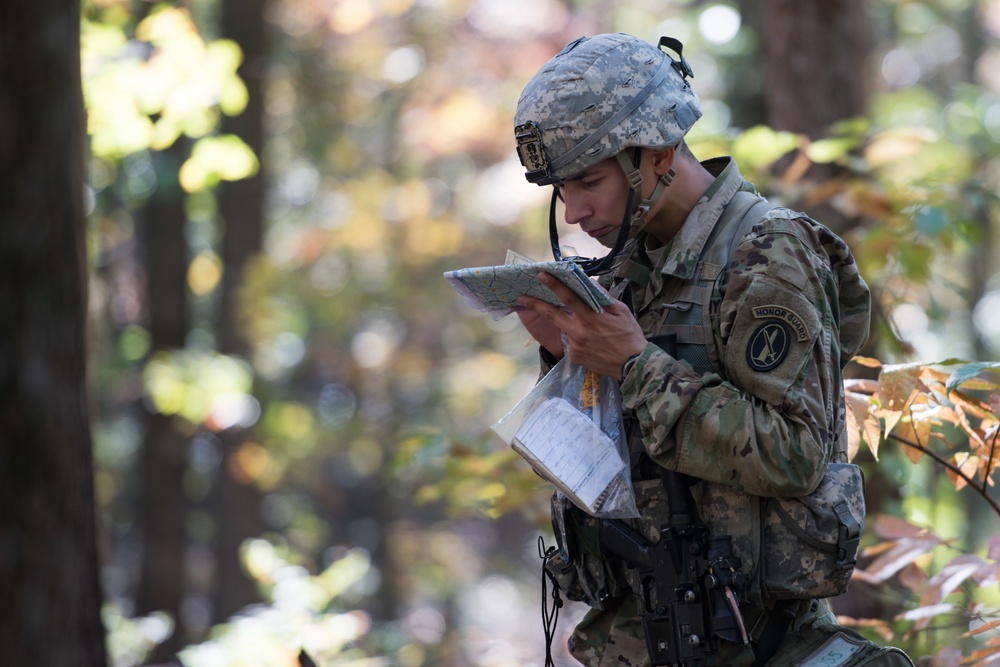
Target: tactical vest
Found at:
826, 525
687, 312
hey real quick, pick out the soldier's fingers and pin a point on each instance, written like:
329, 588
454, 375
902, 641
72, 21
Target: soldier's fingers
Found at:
554, 314
563, 293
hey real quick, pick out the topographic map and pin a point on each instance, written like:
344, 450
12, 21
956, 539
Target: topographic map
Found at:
495, 289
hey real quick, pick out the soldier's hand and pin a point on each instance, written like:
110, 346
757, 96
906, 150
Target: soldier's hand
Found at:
600, 342
543, 331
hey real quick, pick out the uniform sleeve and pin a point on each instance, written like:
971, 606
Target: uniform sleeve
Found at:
770, 426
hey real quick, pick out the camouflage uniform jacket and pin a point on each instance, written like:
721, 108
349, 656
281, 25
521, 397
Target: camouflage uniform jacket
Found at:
763, 426
766, 432
762, 420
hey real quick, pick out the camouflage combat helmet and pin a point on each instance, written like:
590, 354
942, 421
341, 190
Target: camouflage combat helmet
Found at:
594, 99
599, 96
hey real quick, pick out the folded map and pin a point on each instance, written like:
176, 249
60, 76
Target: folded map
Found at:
495, 289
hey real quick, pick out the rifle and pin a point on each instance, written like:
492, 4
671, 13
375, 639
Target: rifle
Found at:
689, 581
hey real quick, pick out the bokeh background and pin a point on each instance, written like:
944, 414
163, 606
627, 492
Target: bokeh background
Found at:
292, 408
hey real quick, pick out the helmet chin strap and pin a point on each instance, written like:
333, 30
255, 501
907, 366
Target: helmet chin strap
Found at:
623, 239
641, 211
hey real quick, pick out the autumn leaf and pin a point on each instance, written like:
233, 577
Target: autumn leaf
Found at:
971, 404
983, 657
967, 464
985, 627
915, 433
953, 574
896, 383
876, 625
890, 527
902, 553
861, 424
861, 386
867, 361
924, 615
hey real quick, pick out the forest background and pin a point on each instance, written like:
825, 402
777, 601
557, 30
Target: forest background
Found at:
285, 443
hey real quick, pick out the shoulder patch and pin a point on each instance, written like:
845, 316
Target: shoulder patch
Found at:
764, 349
769, 345
785, 314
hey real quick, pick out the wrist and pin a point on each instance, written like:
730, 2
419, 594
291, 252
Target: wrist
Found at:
629, 363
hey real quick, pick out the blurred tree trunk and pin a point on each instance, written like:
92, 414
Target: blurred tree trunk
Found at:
48, 557
814, 54
241, 207
164, 451
744, 76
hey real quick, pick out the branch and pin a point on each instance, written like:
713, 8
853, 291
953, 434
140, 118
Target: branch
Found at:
989, 461
944, 462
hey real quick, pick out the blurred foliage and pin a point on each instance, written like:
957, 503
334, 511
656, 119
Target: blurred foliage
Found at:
367, 384
304, 612
146, 89
951, 418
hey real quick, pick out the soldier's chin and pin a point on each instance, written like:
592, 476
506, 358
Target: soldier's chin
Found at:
608, 240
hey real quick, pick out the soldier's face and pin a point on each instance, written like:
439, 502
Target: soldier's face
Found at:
595, 199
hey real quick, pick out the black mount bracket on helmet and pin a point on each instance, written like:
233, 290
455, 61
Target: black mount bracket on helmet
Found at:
531, 152
682, 66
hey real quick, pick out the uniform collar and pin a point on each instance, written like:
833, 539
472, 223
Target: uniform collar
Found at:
682, 253
649, 264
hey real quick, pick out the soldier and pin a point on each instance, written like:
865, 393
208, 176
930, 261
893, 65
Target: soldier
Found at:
766, 308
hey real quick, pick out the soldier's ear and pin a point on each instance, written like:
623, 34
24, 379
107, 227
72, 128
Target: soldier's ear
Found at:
662, 159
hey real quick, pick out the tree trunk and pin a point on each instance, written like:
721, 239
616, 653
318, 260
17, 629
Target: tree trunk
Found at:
814, 53
48, 558
164, 452
241, 206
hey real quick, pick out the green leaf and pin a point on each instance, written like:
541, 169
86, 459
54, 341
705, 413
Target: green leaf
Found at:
829, 150
932, 221
225, 157
916, 260
761, 146
967, 375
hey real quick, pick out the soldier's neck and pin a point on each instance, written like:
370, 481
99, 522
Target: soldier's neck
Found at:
678, 200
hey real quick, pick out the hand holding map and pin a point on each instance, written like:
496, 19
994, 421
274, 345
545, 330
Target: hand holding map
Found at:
495, 289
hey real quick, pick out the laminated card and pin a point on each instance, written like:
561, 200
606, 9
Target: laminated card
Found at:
569, 450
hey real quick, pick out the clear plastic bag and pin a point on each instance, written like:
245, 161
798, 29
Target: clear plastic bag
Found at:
569, 428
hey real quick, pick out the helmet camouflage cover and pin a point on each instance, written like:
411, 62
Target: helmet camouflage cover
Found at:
597, 97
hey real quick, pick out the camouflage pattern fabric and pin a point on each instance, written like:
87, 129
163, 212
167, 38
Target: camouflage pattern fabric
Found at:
791, 568
792, 313
769, 427
613, 637
582, 88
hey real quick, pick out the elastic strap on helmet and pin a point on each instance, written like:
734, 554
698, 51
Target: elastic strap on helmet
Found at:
618, 117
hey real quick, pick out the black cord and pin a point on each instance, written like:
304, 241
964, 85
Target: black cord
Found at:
550, 616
